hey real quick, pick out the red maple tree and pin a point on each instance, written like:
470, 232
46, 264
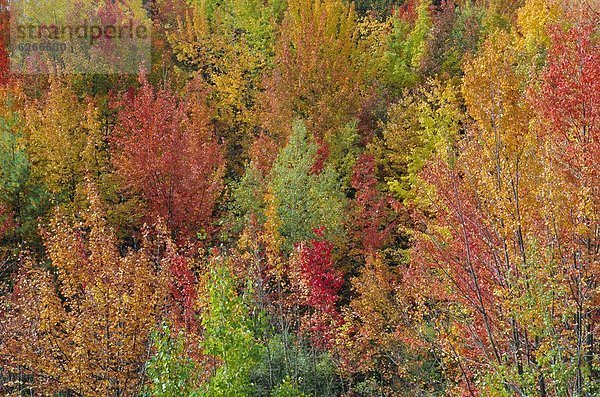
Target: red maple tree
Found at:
166, 151
316, 285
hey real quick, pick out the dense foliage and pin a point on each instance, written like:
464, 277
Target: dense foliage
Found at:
309, 198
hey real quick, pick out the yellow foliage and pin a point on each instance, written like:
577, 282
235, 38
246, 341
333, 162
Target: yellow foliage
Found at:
85, 328
56, 137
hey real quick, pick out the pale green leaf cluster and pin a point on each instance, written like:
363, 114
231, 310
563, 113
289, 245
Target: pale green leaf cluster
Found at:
305, 199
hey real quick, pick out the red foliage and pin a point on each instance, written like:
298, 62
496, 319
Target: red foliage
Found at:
373, 217
4, 33
440, 43
263, 153
109, 14
170, 157
568, 102
469, 259
6, 220
322, 155
182, 286
407, 12
569, 98
317, 284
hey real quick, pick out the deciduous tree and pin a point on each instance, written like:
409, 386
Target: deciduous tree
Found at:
319, 69
170, 157
228, 335
56, 136
82, 326
315, 285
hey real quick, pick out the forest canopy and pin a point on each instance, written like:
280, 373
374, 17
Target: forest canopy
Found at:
296, 198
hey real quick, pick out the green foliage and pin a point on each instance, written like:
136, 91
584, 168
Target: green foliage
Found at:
467, 30
228, 336
255, 18
407, 45
344, 148
14, 171
305, 199
381, 8
248, 195
454, 36
23, 199
169, 371
420, 127
287, 389
290, 365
